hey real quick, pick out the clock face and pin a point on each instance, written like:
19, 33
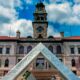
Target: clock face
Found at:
40, 29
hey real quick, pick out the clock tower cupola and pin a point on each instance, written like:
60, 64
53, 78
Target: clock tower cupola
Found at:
40, 23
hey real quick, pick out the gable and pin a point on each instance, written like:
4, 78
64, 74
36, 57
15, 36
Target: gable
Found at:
40, 49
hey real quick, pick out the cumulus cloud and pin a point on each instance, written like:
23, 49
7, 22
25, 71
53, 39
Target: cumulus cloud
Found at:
64, 13
77, 1
9, 22
7, 12
29, 1
61, 13
24, 26
53, 32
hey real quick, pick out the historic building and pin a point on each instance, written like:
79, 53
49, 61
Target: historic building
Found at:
13, 49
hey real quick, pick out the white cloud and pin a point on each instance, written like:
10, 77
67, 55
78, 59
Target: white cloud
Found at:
64, 13
53, 32
53, 1
25, 27
29, 1
7, 11
76, 10
9, 23
77, 1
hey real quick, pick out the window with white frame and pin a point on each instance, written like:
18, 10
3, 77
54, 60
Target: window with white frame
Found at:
1, 50
72, 50
78, 50
40, 63
8, 50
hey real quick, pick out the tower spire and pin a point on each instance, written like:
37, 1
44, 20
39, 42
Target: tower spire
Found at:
40, 23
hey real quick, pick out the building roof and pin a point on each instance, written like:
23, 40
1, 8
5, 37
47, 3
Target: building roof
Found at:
54, 38
73, 38
7, 38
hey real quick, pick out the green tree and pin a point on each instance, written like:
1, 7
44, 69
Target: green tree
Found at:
26, 75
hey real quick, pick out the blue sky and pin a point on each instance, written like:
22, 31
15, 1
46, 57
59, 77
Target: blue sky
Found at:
63, 15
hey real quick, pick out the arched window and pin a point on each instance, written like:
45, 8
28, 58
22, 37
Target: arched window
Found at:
58, 49
50, 37
29, 48
38, 18
42, 18
6, 63
0, 62
50, 48
30, 37
21, 50
73, 62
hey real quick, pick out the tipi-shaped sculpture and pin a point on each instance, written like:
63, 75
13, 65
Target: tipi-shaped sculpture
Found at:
40, 49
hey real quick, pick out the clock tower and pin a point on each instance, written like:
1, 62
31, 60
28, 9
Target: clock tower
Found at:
40, 23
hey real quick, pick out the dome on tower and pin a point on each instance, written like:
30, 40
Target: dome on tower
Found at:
40, 5
29, 36
17, 31
50, 37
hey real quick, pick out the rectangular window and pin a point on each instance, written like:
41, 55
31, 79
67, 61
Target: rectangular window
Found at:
1, 50
7, 50
79, 50
72, 50
40, 63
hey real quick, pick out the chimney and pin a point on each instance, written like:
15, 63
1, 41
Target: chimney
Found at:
18, 34
62, 34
